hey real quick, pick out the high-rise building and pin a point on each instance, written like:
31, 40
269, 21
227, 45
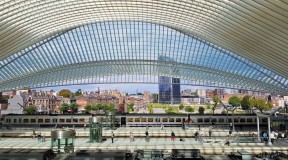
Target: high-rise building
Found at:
169, 88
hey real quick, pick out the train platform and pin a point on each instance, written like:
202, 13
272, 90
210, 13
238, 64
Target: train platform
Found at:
159, 139
125, 132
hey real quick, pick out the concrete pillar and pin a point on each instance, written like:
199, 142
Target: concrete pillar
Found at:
258, 129
269, 132
233, 120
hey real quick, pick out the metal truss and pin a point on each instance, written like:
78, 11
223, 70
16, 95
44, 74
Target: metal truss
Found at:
82, 54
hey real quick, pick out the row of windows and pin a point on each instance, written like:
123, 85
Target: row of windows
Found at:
61, 120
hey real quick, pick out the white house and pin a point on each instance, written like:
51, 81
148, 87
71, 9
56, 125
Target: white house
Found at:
15, 105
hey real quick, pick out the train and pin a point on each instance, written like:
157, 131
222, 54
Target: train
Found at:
132, 120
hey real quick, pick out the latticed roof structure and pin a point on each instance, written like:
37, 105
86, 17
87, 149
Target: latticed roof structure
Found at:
221, 43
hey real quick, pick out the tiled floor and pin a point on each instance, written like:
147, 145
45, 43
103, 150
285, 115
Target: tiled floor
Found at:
159, 140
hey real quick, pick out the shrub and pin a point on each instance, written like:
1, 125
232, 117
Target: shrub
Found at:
181, 106
201, 110
189, 109
208, 107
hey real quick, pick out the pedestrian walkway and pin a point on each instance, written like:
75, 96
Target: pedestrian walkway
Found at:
211, 147
125, 132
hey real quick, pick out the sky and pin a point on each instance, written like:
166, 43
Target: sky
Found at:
128, 88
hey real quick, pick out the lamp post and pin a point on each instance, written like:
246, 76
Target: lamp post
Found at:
269, 123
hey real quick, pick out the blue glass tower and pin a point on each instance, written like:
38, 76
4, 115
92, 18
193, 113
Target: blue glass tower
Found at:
169, 88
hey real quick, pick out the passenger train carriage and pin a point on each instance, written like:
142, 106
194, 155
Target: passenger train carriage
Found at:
133, 120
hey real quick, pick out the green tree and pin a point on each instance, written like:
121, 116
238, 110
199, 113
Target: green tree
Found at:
110, 107
74, 107
201, 110
130, 107
30, 109
216, 101
150, 108
234, 101
262, 104
78, 93
181, 106
64, 107
189, 109
245, 102
66, 93
88, 108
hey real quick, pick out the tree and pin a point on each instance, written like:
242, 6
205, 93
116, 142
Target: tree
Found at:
88, 108
110, 107
262, 104
30, 109
130, 106
64, 107
234, 101
181, 106
245, 102
150, 108
201, 110
66, 93
189, 109
78, 93
216, 101
74, 107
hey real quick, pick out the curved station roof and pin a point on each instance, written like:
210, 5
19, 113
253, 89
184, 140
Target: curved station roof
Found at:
221, 43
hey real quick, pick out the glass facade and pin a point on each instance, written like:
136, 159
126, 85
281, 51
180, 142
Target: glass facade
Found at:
122, 50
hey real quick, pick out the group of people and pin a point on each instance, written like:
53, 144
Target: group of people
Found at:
131, 136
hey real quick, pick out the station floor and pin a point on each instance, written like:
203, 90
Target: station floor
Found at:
160, 139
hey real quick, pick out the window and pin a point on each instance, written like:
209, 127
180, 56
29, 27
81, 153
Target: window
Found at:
206, 120
171, 119
32, 120
62, 120
130, 119
236, 120
40, 120
242, 120
15, 120
143, 119
200, 120
249, 120
26, 120
81, 120
75, 120
137, 119
164, 119
150, 119
68, 120
178, 119
214, 120
229, 120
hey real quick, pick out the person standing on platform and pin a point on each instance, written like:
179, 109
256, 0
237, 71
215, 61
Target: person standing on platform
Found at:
131, 137
172, 136
199, 127
196, 135
146, 136
210, 133
112, 137
85, 125
231, 126
162, 126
